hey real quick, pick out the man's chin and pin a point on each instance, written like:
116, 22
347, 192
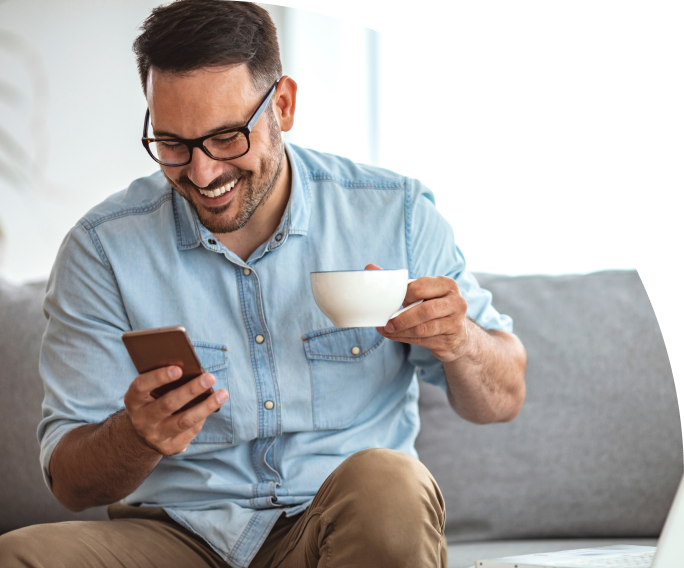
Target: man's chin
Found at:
217, 220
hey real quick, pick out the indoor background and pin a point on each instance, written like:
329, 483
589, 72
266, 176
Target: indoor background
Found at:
72, 109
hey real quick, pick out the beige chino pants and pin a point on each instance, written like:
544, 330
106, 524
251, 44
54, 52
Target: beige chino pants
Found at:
379, 508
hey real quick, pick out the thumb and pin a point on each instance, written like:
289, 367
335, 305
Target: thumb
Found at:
372, 267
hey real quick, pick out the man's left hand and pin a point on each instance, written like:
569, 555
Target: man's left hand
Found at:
439, 323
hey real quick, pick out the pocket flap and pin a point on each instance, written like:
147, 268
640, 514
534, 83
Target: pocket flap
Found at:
211, 355
341, 344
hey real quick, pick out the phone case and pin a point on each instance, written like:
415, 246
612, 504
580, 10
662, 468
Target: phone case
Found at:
162, 347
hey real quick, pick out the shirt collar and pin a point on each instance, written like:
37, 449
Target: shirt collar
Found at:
295, 220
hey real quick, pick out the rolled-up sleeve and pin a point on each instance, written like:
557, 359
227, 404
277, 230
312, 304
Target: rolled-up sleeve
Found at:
433, 252
83, 362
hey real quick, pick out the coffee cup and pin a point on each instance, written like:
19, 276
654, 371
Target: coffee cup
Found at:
361, 298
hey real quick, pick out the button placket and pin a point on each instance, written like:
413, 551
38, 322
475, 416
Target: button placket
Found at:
262, 354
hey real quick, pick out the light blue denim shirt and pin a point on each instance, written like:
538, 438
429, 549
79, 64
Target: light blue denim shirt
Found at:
141, 259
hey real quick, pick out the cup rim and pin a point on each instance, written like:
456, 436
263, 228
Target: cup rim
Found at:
342, 271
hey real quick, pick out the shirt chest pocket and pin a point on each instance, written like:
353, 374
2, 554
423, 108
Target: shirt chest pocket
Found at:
347, 370
218, 427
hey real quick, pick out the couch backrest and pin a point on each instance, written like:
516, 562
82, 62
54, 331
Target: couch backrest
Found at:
24, 499
596, 450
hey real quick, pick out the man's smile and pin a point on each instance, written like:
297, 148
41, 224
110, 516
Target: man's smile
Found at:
220, 191
220, 195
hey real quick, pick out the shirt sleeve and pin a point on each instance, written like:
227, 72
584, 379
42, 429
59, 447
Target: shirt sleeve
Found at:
83, 362
433, 252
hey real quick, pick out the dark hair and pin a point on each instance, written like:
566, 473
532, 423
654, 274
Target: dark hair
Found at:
192, 34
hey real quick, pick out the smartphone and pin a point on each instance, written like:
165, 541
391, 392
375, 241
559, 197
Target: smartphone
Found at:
151, 349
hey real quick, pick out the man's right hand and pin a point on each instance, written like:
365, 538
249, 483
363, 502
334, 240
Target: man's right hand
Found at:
98, 464
153, 419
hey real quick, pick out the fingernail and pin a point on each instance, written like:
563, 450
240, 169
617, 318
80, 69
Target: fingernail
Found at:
221, 396
174, 373
207, 380
389, 328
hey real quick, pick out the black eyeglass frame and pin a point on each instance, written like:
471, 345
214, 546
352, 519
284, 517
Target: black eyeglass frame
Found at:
199, 142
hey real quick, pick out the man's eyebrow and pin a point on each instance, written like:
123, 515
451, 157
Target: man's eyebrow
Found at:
158, 133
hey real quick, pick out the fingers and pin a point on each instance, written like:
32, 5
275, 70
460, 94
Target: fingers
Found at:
153, 419
372, 267
439, 323
434, 342
428, 288
173, 434
138, 393
441, 327
419, 315
177, 398
437, 316
190, 418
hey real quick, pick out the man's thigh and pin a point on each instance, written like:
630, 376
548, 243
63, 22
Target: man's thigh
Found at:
130, 543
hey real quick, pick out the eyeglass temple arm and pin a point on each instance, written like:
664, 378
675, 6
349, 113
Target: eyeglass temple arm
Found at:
147, 118
262, 106
252, 121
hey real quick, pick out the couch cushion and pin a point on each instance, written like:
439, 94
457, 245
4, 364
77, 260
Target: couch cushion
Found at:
596, 450
24, 499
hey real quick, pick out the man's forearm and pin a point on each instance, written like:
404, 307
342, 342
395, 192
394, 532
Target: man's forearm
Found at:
99, 464
487, 382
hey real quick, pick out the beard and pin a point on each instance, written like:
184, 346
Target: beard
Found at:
255, 188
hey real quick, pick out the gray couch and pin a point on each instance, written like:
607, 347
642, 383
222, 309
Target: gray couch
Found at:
593, 458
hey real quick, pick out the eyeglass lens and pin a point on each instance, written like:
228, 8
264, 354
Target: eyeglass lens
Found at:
222, 147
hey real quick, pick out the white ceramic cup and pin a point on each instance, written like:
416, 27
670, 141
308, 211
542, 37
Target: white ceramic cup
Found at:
361, 298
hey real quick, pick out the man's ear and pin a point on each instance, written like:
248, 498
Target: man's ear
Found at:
284, 101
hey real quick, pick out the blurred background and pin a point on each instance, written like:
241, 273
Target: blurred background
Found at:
546, 130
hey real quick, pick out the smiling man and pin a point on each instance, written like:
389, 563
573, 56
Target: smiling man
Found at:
304, 455
224, 198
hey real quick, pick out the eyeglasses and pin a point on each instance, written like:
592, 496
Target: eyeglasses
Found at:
227, 144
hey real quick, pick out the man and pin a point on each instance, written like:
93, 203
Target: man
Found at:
309, 459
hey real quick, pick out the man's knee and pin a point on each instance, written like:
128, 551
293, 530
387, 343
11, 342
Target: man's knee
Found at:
387, 472
387, 480
388, 504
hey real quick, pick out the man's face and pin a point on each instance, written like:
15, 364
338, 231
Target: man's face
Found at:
195, 104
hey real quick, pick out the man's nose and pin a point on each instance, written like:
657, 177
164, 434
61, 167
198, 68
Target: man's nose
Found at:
202, 169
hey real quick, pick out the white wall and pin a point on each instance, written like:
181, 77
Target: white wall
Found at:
92, 117
544, 129
516, 207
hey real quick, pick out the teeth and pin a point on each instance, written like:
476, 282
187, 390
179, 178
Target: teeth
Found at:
220, 190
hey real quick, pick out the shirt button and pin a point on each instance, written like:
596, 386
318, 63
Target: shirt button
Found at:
246, 271
268, 405
211, 241
355, 350
259, 338
279, 237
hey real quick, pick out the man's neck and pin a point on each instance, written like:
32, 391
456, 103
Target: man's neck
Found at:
265, 219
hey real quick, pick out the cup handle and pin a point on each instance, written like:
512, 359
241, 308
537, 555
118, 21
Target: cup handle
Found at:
402, 310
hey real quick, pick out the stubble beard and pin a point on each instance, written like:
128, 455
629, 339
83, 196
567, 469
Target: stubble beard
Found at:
255, 192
